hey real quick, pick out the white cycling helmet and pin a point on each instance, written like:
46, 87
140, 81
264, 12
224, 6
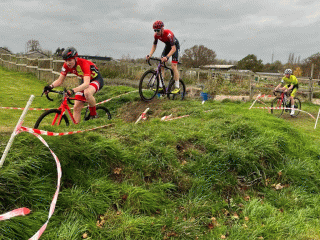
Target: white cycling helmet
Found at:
288, 71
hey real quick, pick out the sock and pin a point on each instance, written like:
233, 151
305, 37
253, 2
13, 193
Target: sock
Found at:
176, 84
93, 111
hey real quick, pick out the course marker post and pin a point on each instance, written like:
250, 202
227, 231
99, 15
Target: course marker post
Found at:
317, 120
15, 130
255, 101
142, 116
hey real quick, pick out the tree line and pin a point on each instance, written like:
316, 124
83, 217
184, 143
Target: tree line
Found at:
200, 55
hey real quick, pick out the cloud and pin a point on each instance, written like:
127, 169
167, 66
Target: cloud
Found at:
233, 29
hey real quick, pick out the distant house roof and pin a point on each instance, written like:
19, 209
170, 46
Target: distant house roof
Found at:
36, 54
270, 74
4, 50
221, 67
96, 57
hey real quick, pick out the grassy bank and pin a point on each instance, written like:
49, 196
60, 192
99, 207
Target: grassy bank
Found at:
226, 173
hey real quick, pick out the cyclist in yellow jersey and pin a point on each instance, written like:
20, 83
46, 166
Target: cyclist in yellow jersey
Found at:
290, 83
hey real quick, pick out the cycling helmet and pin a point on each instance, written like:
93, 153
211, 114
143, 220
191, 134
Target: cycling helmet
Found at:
158, 25
288, 71
69, 53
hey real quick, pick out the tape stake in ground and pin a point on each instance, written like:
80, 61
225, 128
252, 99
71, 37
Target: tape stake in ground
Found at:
317, 119
142, 116
255, 101
19, 123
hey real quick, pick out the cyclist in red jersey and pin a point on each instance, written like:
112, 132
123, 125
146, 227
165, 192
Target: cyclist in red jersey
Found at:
92, 82
171, 49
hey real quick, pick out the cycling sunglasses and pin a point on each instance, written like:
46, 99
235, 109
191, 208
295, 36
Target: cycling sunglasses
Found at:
157, 30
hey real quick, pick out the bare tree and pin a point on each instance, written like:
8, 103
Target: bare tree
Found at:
33, 45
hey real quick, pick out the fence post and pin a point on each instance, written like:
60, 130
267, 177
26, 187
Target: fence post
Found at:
310, 84
250, 87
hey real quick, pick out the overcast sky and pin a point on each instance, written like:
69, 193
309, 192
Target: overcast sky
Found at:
114, 28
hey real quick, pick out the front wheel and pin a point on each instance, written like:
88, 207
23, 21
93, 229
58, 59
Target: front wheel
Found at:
148, 85
51, 117
178, 96
277, 107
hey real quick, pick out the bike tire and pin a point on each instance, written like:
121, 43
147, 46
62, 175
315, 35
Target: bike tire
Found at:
297, 105
277, 103
101, 111
47, 117
180, 96
148, 85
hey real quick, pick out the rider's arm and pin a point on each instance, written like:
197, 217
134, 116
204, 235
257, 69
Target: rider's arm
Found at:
172, 51
153, 49
277, 87
84, 85
59, 81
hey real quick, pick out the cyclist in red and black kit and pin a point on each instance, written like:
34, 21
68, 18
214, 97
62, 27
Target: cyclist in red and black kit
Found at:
171, 49
92, 82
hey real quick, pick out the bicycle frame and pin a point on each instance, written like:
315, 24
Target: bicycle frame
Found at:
280, 101
158, 72
63, 108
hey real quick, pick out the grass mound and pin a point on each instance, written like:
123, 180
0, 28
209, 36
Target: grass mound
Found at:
223, 172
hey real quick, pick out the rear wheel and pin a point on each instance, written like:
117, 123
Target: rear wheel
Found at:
297, 105
47, 119
277, 107
148, 85
102, 112
178, 96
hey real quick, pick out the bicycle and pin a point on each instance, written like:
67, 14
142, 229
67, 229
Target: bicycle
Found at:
282, 103
57, 116
150, 80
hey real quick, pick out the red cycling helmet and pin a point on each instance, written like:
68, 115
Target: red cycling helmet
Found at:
158, 25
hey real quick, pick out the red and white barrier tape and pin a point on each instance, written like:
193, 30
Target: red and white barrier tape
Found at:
47, 133
14, 213
168, 118
116, 97
264, 95
42, 109
279, 108
16, 108
257, 99
24, 211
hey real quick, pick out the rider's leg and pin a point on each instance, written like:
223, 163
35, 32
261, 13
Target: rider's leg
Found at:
292, 95
162, 75
78, 105
176, 74
88, 93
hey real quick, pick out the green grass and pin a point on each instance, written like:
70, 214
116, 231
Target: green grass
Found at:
211, 174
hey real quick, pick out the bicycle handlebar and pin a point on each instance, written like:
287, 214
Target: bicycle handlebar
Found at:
280, 91
156, 59
59, 92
